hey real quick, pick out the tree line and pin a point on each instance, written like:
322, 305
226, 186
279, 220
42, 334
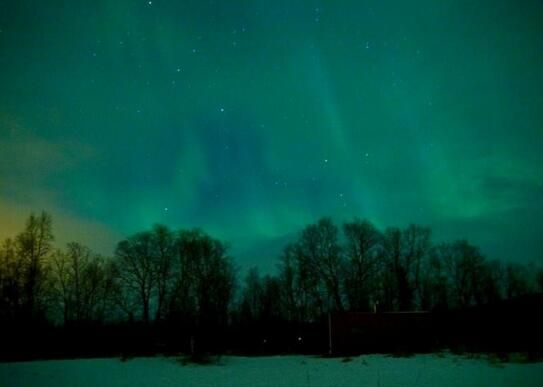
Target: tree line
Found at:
359, 268
152, 276
187, 279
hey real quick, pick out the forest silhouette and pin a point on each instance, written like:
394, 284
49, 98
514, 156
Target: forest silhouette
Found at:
166, 291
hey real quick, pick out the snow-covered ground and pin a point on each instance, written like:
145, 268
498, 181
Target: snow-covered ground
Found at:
372, 370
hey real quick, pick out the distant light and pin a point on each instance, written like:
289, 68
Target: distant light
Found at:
325, 160
165, 209
222, 110
150, 2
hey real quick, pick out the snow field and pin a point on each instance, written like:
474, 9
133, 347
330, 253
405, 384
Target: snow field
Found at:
370, 370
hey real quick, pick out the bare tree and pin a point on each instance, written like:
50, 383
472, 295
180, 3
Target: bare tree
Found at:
81, 283
491, 287
207, 277
516, 280
61, 277
321, 255
398, 280
405, 252
302, 290
270, 301
163, 247
252, 295
289, 289
34, 245
417, 248
11, 281
435, 284
124, 297
464, 265
136, 272
363, 250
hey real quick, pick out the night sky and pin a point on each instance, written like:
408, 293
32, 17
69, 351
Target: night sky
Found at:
253, 118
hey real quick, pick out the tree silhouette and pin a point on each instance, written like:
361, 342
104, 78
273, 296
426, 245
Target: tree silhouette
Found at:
321, 254
80, 282
205, 283
33, 246
135, 269
182, 284
11, 281
363, 249
163, 250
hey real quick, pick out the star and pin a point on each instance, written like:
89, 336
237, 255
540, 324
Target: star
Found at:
165, 209
221, 110
325, 161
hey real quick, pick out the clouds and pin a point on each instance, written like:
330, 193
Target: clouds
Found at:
31, 165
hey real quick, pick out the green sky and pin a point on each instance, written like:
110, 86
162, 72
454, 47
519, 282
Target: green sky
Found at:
253, 118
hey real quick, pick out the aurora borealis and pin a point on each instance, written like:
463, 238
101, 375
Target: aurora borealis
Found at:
254, 118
